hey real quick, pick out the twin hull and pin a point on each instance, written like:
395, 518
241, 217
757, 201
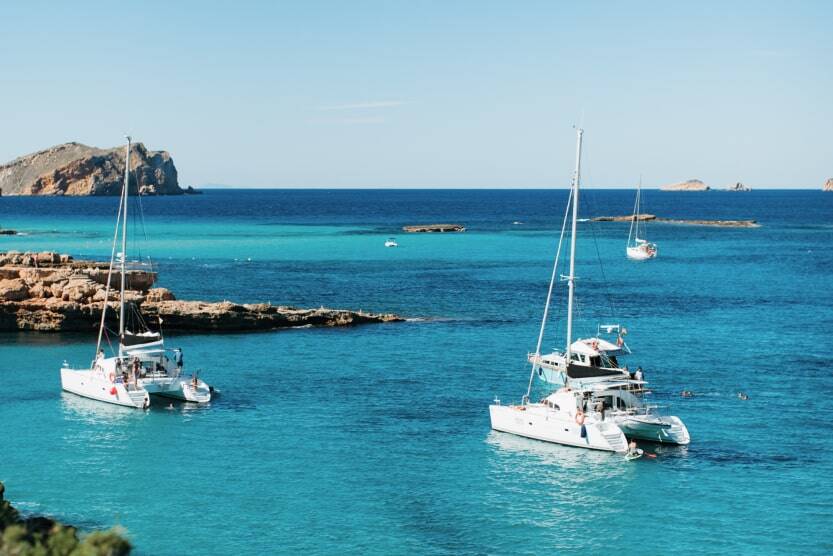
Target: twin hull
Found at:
542, 423
96, 386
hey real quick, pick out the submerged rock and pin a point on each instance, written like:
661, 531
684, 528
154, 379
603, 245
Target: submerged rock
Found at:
76, 169
53, 292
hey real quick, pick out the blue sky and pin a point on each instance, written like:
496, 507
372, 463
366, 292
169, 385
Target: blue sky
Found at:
430, 94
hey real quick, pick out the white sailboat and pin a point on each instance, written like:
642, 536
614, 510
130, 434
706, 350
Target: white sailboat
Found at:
561, 417
142, 365
638, 247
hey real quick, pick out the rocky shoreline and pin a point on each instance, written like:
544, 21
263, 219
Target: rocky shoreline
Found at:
50, 292
43, 535
654, 218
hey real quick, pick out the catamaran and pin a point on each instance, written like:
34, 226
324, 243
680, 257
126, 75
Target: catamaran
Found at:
560, 417
597, 403
142, 366
639, 248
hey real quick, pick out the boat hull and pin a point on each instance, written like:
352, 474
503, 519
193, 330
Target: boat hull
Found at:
639, 254
549, 426
666, 430
95, 386
180, 388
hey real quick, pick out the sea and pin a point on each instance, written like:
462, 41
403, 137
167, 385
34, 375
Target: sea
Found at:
376, 440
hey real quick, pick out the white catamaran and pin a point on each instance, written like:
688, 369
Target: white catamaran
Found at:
142, 366
597, 403
639, 248
560, 417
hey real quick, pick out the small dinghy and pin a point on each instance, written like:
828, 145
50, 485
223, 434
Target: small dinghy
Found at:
630, 456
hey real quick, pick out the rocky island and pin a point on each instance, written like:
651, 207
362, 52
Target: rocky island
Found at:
738, 186
828, 185
689, 185
42, 535
654, 218
51, 292
429, 228
76, 169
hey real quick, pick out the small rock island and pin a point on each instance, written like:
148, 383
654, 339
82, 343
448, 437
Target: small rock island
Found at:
688, 185
654, 218
51, 292
430, 228
76, 170
828, 185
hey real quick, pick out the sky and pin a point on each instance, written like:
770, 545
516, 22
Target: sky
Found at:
447, 94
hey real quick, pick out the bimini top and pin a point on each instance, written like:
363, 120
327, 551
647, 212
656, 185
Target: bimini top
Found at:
595, 346
140, 342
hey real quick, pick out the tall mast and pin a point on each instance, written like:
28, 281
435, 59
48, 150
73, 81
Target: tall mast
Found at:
124, 242
571, 279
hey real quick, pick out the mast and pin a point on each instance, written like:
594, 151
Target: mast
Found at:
635, 213
109, 275
124, 243
571, 279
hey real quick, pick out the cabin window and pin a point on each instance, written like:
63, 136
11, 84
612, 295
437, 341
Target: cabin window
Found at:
575, 357
596, 361
613, 362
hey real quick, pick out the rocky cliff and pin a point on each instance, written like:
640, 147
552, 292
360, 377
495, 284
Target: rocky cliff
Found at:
76, 169
689, 185
51, 292
828, 185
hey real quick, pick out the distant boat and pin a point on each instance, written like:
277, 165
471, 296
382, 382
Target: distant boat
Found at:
391, 242
142, 365
639, 248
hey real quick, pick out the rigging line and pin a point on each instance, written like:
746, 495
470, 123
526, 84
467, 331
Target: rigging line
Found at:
549, 295
110, 274
602, 268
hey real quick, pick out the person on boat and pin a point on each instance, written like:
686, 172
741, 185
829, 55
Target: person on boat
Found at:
600, 408
639, 375
632, 448
179, 359
580, 422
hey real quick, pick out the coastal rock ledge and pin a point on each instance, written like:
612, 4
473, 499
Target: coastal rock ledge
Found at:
78, 170
51, 292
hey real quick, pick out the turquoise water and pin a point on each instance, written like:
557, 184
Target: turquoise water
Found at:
376, 440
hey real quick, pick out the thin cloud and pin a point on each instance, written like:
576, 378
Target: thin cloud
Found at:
364, 105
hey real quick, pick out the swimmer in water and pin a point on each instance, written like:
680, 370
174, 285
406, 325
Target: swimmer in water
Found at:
742, 396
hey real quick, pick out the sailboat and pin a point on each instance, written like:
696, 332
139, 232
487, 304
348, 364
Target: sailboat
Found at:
639, 248
562, 416
142, 366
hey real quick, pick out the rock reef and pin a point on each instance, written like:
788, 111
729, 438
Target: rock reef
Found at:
738, 186
54, 293
429, 228
42, 535
76, 169
689, 185
654, 218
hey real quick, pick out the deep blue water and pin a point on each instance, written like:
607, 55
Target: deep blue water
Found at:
376, 440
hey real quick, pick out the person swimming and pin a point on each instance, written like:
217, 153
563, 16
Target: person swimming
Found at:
742, 396
687, 394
